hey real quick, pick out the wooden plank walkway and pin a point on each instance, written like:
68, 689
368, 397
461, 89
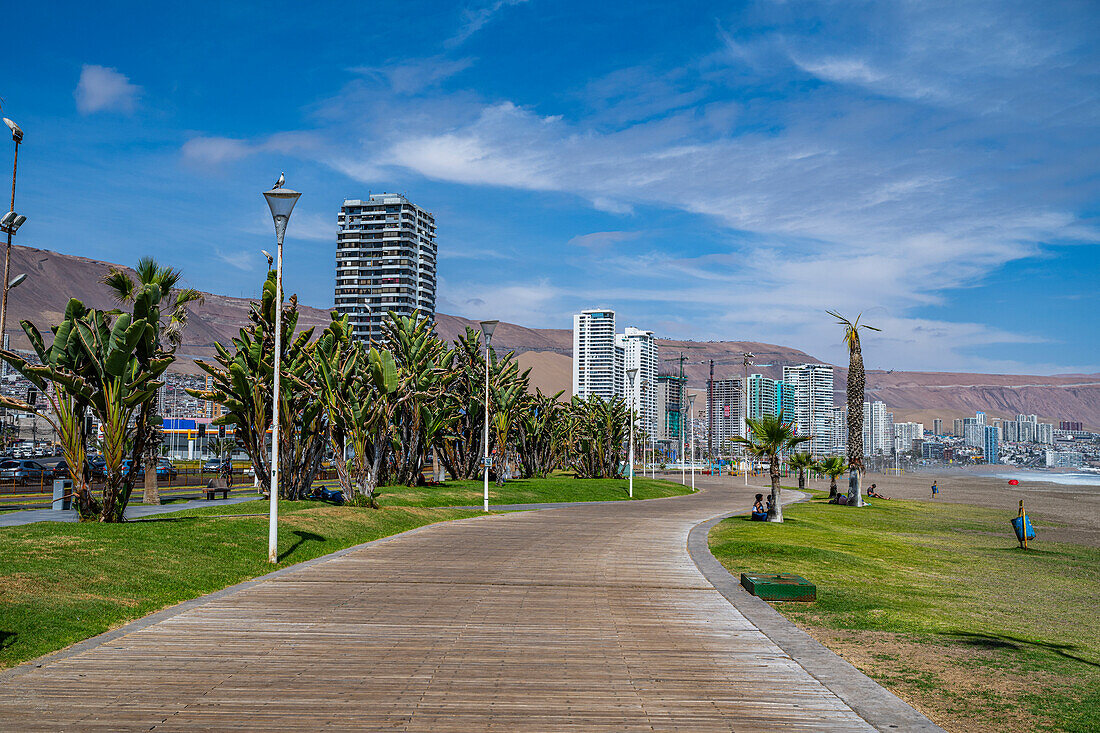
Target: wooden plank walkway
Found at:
581, 618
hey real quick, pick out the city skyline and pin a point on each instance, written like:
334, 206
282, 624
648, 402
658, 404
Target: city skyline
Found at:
558, 175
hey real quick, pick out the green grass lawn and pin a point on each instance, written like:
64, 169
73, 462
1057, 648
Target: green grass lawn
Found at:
558, 487
60, 583
936, 602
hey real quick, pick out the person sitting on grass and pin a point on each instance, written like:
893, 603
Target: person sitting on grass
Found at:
759, 511
871, 492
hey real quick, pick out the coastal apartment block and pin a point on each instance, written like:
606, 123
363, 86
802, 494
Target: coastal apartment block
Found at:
385, 261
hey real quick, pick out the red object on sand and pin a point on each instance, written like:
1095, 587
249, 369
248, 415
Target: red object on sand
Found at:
1013, 482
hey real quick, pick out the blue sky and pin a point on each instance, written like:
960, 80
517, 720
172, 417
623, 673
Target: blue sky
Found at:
709, 170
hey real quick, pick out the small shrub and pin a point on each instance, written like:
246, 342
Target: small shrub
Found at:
361, 500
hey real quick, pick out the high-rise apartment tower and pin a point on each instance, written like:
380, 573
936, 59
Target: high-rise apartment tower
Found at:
811, 405
597, 358
385, 261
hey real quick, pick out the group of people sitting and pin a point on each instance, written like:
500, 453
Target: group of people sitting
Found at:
843, 499
761, 509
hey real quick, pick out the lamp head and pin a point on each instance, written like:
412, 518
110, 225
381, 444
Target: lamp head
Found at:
487, 328
17, 280
281, 202
270, 259
16, 130
632, 372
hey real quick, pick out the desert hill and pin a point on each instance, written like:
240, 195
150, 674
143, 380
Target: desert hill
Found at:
53, 278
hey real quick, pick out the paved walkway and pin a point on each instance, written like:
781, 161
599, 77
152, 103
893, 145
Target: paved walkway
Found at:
586, 618
133, 511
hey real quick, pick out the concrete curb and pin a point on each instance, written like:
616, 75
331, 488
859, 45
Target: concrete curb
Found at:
878, 706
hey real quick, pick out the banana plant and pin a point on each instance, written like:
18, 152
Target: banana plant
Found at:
356, 390
66, 413
242, 382
93, 367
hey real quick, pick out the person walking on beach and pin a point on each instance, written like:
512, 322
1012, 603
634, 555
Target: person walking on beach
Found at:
935, 489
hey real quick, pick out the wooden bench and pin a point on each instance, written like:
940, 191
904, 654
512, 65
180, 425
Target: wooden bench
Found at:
215, 485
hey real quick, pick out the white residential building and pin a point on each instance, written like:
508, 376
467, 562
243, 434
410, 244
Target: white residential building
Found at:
385, 261
725, 412
878, 429
812, 404
840, 431
597, 358
640, 352
905, 434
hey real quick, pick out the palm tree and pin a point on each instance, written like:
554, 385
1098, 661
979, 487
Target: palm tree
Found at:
800, 462
168, 321
770, 436
857, 382
832, 467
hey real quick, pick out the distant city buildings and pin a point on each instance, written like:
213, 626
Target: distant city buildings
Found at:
1063, 458
878, 429
670, 402
385, 261
598, 363
937, 426
600, 360
990, 443
811, 405
908, 436
640, 352
725, 411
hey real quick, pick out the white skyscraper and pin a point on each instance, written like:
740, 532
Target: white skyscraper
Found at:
639, 352
385, 261
812, 404
878, 429
597, 359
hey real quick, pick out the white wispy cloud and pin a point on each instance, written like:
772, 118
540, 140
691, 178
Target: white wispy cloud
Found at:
475, 17
102, 89
911, 169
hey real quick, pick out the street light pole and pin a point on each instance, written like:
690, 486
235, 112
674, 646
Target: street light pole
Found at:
281, 202
633, 374
487, 328
691, 412
17, 136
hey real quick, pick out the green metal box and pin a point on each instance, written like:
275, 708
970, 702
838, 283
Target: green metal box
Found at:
779, 586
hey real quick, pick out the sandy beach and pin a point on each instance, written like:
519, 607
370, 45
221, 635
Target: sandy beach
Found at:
1073, 510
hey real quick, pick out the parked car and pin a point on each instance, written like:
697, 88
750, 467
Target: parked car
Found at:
22, 471
165, 469
212, 465
98, 466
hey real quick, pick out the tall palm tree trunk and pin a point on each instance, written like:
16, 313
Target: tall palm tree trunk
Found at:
857, 383
151, 493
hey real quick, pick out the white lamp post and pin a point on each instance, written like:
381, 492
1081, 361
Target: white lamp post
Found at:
11, 223
487, 328
691, 413
281, 202
632, 373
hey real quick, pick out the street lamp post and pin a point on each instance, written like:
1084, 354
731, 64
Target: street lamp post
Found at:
691, 412
281, 202
487, 328
12, 222
633, 374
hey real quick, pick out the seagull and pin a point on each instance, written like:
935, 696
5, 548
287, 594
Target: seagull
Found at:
279, 183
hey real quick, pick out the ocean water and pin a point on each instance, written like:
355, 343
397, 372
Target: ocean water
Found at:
1054, 477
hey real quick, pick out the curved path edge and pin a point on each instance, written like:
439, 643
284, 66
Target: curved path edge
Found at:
871, 701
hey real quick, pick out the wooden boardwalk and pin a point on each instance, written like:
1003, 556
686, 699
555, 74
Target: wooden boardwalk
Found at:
582, 618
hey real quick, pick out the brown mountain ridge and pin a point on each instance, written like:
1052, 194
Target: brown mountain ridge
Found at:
54, 277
